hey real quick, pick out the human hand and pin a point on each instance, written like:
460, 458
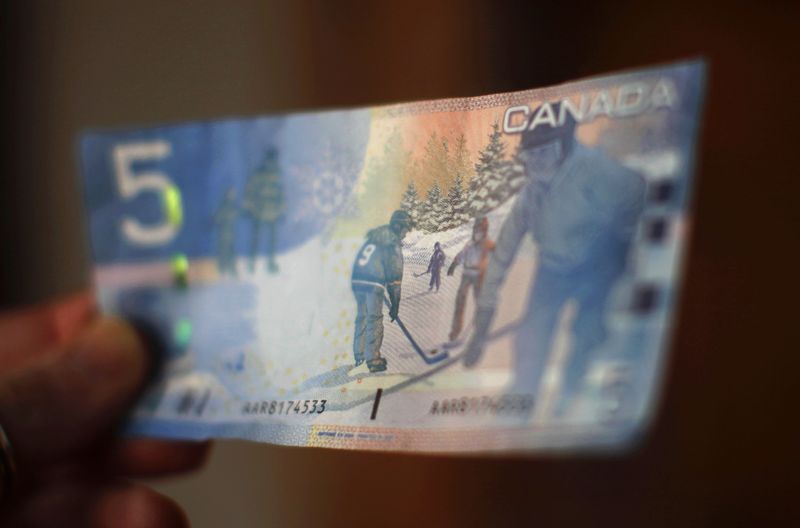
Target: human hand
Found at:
67, 378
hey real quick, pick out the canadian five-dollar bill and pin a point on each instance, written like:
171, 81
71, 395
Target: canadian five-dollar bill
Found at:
486, 273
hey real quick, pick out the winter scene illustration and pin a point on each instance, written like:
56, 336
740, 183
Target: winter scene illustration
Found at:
497, 266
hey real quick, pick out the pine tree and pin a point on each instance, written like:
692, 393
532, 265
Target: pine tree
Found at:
413, 173
460, 165
411, 202
441, 212
487, 189
446, 213
444, 162
435, 213
435, 163
457, 209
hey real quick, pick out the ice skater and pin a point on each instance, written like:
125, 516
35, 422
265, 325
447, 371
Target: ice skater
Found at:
581, 208
435, 267
377, 271
475, 257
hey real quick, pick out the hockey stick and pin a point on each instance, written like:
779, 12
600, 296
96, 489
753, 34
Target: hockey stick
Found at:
430, 360
417, 275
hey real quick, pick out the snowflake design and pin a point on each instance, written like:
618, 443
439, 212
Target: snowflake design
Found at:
328, 192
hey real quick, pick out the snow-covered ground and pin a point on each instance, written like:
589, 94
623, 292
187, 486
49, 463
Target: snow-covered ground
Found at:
288, 335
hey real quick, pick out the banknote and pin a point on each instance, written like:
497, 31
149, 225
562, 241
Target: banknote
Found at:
487, 273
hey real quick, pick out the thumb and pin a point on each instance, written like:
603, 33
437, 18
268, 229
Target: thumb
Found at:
62, 403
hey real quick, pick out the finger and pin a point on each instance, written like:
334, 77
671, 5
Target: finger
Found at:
33, 331
62, 403
155, 458
61, 502
76, 502
135, 506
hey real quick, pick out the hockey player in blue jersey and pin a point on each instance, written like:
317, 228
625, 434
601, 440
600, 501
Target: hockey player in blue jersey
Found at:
581, 209
377, 271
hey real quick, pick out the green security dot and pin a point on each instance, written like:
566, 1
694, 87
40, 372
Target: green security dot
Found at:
171, 198
182, 332
180, 270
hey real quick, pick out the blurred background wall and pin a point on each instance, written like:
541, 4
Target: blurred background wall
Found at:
723, 450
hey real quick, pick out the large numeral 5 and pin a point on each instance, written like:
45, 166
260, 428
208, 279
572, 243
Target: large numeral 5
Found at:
131, 184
